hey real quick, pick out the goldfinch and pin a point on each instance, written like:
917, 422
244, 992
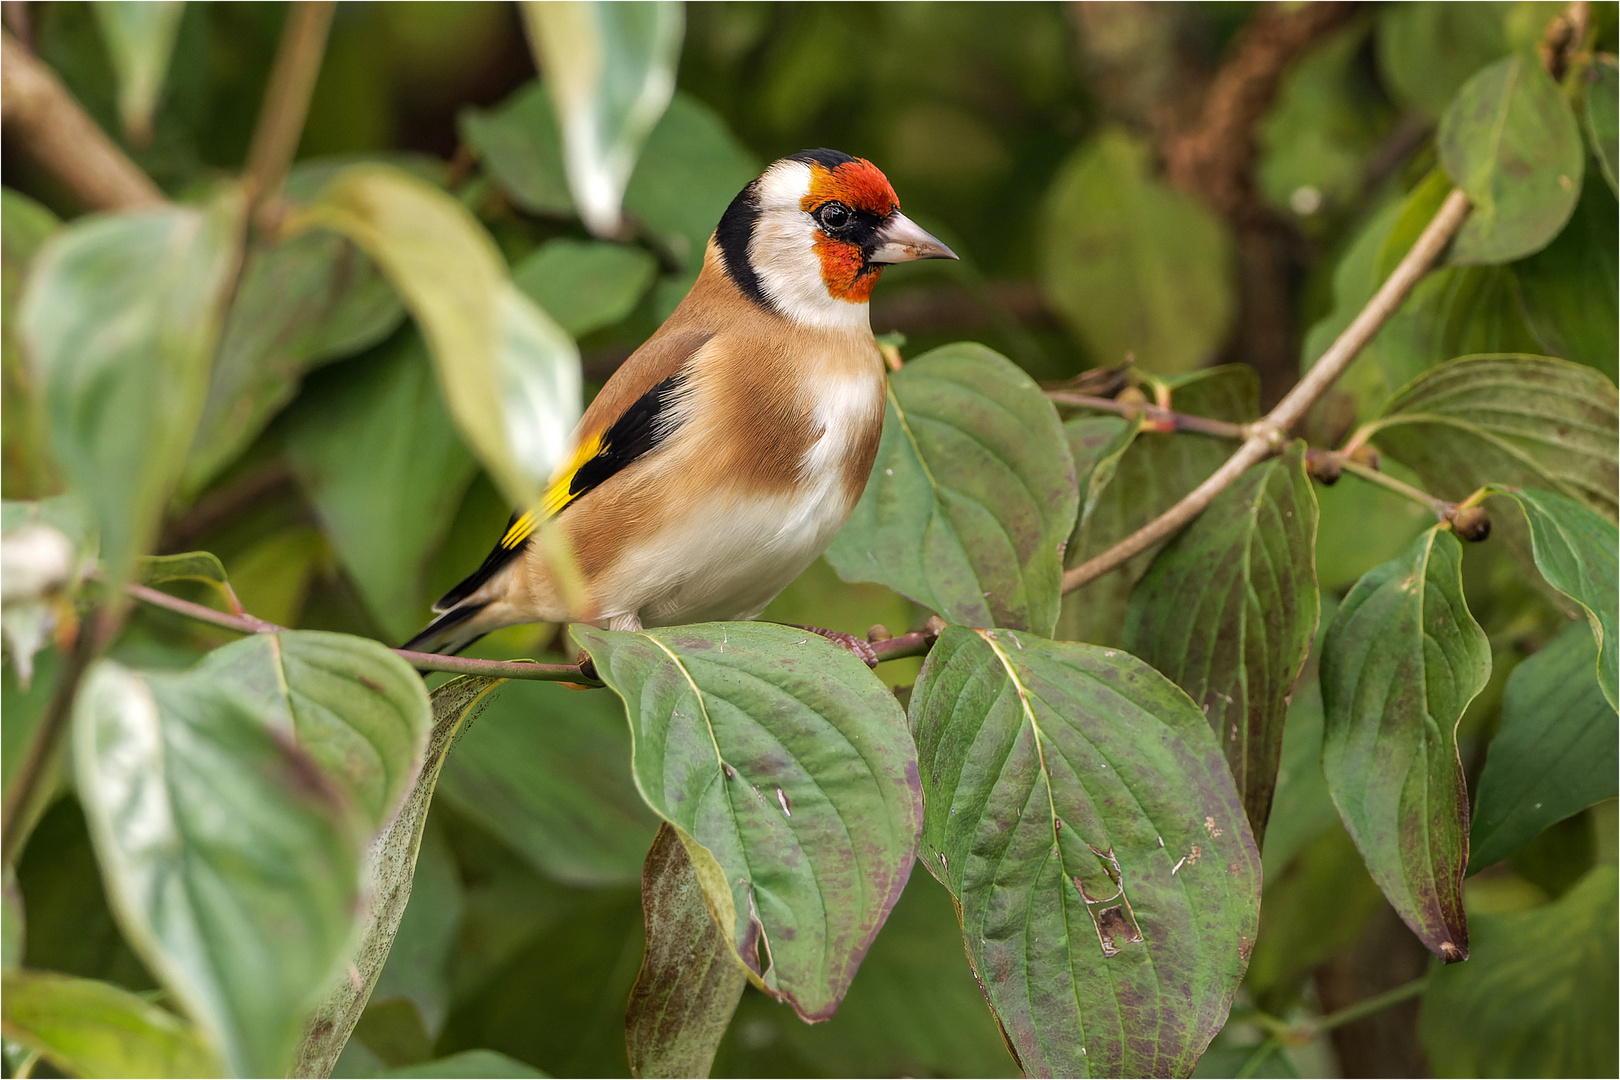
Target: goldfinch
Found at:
723, 457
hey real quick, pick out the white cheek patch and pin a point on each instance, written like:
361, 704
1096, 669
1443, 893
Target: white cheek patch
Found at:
782, 253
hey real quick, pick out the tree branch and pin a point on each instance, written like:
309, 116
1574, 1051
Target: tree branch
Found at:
1270, 433
286, 100
55, 131
96, 629
915, 643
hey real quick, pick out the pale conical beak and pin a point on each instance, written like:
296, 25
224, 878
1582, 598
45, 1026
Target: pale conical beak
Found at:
904, 241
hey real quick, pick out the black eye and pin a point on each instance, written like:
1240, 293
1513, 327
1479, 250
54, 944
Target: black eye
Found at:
833, 215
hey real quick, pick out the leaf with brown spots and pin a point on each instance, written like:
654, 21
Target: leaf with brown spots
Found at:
1079, 809
690, 982
785, 766
972, 497
1227, 611
1401, 660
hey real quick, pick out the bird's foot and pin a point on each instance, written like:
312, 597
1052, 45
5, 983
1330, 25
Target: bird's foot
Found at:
859, 646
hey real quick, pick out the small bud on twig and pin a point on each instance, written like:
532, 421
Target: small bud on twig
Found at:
1322, 465
1367, 454
1470, 522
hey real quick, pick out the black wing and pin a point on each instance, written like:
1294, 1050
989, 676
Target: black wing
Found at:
638, 431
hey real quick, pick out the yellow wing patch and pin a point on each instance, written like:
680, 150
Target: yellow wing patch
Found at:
556, 497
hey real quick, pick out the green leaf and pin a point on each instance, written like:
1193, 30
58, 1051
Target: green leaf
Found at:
585, 285
378, 456
1427, 50
1401, 660
1525, 420
913, 1010
1302, 808
519, 145
140, 39
1555, 753
1079, 810
1355, 278
1453, 311
1569, 287
273, 576
1602, 115
690, 980
1422, 203
1227, 612
389, 871
787, 768
13, 922
1510, 141
1360, 525
1575, 550
203, 567
355, 708
93, 1029
508, 373
1133, 266
1152, 474
232, 862
121, 315
972, 495
1096, 443
1538, 998
468, 1063
690, 170
302, 302
1315, 909
560, 968
1326, 122
418, 966
24, 434
611, 71
544, 770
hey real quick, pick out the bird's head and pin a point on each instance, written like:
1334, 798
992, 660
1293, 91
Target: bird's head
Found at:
810, 236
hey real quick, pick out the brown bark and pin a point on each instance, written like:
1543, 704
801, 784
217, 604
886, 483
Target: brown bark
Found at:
1211, 154
43, 120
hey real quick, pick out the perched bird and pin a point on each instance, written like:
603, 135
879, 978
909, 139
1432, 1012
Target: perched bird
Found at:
728, 451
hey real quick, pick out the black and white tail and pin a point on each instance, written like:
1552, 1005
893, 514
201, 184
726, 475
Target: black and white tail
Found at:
471, 609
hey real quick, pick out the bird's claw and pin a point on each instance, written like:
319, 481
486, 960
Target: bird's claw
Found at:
857, 645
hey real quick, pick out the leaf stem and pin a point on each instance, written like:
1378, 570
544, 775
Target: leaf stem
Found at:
97, 628
1375, 1004
1268, 435
1442, 509
1258, 1057
1164, 419
286, 100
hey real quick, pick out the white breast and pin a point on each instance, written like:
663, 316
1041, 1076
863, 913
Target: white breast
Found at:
736, 559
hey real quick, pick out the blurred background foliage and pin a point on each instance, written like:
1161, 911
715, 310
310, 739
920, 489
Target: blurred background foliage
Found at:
1078, 158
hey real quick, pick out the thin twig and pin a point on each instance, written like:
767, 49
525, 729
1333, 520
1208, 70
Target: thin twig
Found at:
459, 665
286, 100
1258, 1057
1269, 435
1164, 419
913, 644
55, 131
1442, 509
96, 629
1375, 1004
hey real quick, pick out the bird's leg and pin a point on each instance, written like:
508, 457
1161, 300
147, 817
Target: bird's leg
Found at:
859, 646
